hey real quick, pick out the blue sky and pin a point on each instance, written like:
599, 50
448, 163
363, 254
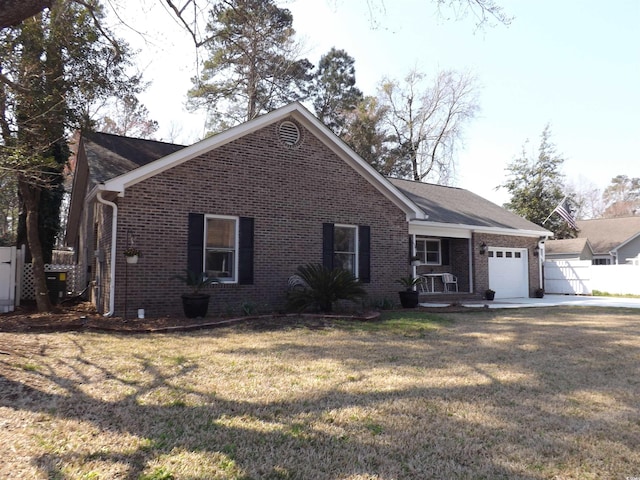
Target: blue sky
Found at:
574, 64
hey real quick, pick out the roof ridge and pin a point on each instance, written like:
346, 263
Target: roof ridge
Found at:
425, 183
610, 218
88, 134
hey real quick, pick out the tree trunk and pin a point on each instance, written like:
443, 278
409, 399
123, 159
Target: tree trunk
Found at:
31, 198
12, 12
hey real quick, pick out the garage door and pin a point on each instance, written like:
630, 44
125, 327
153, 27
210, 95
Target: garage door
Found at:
508, 272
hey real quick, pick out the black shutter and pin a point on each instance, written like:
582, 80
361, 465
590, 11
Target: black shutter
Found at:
195, 242
364, 253
445, 247
245, 255
410, 248
327, 245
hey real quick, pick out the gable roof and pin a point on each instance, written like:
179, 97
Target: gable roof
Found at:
295, 111
452, 205
567, 246
121, 162
607, 234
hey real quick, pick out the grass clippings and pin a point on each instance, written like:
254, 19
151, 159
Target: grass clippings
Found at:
518, 394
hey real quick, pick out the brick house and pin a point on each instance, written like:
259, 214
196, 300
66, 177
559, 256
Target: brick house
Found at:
252, 203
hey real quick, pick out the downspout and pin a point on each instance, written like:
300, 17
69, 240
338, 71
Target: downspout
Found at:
114, 236
541, 258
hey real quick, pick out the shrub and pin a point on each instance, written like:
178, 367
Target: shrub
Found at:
324, 288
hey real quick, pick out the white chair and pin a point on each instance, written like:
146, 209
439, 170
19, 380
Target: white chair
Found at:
449, 279
424, 286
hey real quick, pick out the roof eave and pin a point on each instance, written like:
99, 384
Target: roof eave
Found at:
628, 240
485, 229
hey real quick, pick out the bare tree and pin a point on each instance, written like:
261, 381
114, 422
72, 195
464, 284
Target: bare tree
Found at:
130, 118
587, 199
426, 121
192, 13
622, 197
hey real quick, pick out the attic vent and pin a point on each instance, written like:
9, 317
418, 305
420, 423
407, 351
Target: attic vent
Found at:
289, 133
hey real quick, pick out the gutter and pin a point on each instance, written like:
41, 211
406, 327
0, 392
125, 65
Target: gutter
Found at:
541, 259
114, 236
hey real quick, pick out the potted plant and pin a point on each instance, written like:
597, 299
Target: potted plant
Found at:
195, 303
415, 260
539, 293
489, 294
131, 254
409, 296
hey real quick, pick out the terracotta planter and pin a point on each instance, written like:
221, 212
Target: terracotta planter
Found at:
195, 305
409, 299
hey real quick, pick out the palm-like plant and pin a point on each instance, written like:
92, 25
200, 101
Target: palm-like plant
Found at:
324, 288
196, 281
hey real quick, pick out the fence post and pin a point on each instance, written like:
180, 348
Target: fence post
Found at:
19, 273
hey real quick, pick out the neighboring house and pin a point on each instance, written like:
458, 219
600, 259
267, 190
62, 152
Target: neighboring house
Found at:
252, 203
613, 240
568, 249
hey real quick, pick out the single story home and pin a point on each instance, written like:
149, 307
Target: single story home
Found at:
251, 204
613, 240
568, 249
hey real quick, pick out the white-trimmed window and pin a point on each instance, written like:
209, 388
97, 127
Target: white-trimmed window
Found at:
429, 250
345, 248
221, 247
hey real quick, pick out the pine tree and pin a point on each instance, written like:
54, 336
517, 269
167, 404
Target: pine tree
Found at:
253, 65
335, 94
536, 186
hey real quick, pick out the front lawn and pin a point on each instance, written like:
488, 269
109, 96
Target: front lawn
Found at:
535, 393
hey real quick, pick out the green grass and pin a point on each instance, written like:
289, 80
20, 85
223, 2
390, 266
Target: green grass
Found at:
598, 293
403, 322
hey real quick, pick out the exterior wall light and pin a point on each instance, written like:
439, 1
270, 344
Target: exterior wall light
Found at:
483, 248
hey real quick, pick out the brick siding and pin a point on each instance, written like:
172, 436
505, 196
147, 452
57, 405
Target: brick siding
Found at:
481, 262
290, 193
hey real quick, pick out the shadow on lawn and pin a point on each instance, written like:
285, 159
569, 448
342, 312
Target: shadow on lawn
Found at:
410, 429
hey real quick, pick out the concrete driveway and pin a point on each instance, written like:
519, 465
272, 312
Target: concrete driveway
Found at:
551, 301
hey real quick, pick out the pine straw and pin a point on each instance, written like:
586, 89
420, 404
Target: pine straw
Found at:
530, 394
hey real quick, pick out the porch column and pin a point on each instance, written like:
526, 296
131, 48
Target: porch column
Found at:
471, 263
412, 253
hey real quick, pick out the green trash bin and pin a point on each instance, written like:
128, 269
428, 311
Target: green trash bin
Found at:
57, 286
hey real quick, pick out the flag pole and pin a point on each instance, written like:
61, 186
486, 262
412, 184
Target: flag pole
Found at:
554, 210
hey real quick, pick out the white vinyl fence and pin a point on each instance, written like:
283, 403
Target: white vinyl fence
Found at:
11, 261
580, 277
16, 277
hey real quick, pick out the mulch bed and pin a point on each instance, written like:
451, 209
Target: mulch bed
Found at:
83, 316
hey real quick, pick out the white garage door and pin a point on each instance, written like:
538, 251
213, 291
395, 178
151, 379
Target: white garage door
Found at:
508, 272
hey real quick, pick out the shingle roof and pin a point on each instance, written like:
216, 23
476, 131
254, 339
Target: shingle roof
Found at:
458, 206
565, 246
111, 155
605, 234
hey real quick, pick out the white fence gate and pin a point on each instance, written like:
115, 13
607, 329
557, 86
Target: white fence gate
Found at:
11, 261
580, 277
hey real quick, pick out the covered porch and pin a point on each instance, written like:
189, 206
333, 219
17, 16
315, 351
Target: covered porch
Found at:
442, 262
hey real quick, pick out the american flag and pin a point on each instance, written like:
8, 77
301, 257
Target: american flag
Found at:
563, 210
